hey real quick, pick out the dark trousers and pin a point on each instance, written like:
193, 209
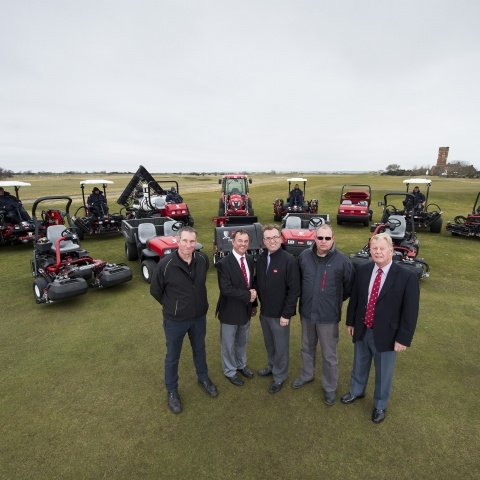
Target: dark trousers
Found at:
174, 335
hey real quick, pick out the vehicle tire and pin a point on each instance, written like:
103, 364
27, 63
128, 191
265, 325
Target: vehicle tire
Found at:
221, 210
339, 222
370, 213
250, 205
366, 223
131, 252
277, 218
190, 221
436, 226
148, 266
39, 285
251, 212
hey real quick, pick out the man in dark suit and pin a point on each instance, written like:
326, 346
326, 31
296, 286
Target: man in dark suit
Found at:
381, 318
236, 305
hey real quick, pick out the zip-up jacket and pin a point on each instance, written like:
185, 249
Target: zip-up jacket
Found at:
326, 283
180, 288
278, 288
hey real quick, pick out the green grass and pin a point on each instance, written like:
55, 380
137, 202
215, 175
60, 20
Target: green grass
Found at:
81, 382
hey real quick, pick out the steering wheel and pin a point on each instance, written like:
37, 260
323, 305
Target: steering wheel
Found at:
316, 222
69, 232
393, 223
177, 226
391, 209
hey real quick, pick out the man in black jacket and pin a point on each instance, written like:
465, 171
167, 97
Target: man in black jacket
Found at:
13, 207
278, 287
179, 285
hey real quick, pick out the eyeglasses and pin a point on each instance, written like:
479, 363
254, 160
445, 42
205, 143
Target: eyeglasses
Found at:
324, 238
269, 239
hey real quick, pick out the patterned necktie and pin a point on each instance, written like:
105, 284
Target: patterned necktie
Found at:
244, 270
373, 300
268, 261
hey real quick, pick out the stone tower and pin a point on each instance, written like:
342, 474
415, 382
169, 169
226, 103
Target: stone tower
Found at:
442, 156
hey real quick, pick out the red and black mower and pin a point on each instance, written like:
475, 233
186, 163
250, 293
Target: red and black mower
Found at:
61, 267
468, 226
296, 200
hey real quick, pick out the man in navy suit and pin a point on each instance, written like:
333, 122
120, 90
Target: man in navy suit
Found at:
236, 305
383, 327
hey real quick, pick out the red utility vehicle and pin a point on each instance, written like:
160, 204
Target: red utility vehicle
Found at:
355, 204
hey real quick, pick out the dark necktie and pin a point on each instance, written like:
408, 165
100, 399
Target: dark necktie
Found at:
244, 270
373, 300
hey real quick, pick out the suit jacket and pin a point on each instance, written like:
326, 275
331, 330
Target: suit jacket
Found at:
396, 309
234, 306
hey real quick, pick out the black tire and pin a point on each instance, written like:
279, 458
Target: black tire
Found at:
339, 222
39, 285
250, 204
190, 221
221, 210
366, 223
251, 212
436, 226
131, 252
148, 266
370, 213
277, 218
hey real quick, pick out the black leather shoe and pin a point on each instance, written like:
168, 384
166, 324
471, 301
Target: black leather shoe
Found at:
349, 398
275, 387
265, 372
378, 416
246, 372
174, 403
299, 382
236, 380
209, 387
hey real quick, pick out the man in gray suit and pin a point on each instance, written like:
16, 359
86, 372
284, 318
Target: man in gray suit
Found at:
236, 305
381, 318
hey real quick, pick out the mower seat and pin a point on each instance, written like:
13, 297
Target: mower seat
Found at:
146, 231
168, 228
293, 222
398, 233
54, 232
159, 203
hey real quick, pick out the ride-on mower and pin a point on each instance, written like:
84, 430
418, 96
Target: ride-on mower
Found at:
355, 204
425, 215
468, 226
93, 217
62, 269
143, 197
295, 203
12, 229
405, 243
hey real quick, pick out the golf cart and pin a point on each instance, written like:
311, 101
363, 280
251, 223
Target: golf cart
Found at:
62, 268
143, 197
468, 226
294, 203
93, 217
355, 204
12, 229
298, 230
405, 243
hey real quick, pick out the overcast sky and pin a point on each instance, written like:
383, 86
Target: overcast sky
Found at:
256, 85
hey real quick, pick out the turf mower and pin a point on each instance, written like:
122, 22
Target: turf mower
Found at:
13, 230
93, 217
62, 268
295, 202
235, 200
405, 243
143, 197
468, 226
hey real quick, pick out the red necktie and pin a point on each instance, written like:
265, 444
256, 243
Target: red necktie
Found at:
244, 270
373, 300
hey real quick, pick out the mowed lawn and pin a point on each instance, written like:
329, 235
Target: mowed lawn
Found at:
81, 381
